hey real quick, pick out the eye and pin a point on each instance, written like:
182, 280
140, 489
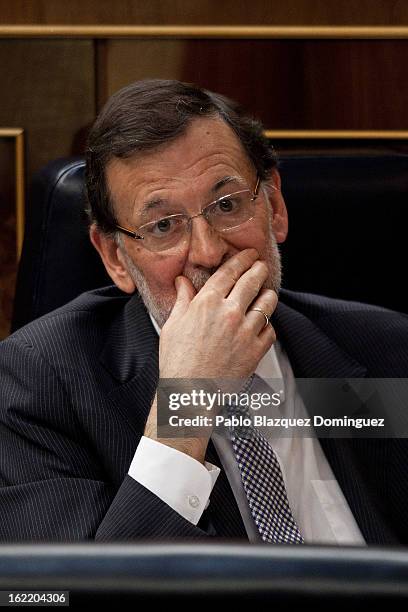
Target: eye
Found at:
227, 205
165, 226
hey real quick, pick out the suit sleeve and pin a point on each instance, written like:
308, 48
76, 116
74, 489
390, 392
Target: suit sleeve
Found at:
52, 486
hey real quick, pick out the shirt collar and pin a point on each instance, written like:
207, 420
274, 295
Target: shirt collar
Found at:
155, 324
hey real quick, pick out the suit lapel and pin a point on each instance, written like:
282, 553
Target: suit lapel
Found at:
131, 356
223, 509
313, 354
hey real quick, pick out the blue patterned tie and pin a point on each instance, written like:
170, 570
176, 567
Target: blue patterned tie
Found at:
263, 483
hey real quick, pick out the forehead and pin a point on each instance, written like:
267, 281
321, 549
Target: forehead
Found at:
207, 152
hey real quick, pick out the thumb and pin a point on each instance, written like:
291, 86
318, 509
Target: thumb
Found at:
185, 293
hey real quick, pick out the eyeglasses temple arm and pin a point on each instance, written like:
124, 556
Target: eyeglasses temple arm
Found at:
256, 190
128, 232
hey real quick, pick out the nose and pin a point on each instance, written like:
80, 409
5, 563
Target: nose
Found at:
207, 246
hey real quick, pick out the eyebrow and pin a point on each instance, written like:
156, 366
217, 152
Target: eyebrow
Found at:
225, 181
151, 204
158, 202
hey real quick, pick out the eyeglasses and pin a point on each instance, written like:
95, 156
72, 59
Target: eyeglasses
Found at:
224, 214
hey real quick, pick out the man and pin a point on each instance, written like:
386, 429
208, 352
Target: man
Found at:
186, 210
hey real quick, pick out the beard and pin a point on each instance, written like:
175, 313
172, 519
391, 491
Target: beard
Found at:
160, 307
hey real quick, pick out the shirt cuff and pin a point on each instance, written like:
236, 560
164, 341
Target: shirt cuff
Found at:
182, 482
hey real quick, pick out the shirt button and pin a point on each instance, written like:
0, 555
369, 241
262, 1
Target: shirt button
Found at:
194, 501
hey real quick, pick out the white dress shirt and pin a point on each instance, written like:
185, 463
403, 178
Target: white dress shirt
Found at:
316, 500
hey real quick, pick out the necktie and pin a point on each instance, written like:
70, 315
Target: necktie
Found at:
263, 483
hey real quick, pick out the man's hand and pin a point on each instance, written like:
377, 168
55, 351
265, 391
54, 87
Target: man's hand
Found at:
215, 334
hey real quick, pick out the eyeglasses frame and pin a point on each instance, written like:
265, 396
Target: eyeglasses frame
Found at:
136, 236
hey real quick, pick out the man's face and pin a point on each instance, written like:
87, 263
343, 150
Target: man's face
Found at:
183, 177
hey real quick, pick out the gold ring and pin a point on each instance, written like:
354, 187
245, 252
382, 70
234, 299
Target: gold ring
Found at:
264, 314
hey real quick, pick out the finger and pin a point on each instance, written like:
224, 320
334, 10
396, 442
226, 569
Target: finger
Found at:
267, 338
185, 293
266, 302
224, 279
247, 287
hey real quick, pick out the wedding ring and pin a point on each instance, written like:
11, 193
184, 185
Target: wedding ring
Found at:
264, 314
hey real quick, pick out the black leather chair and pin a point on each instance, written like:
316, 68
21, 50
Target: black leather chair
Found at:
348, 222
58, 262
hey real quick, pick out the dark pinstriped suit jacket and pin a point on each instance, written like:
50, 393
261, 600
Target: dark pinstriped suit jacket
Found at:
76, 389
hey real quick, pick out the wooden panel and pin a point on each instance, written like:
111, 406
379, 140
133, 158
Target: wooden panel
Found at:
308, 84
130, 60
8, 264
47, 88
360, 85
291, 12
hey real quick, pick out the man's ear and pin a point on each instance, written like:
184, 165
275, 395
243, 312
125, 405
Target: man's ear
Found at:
278, 206
112, 258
